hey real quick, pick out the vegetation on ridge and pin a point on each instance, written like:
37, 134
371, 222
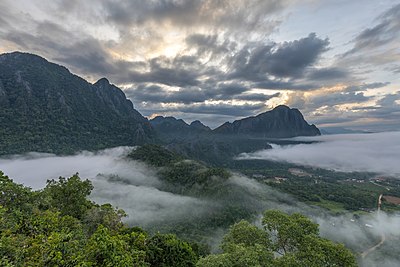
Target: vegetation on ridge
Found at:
44, 228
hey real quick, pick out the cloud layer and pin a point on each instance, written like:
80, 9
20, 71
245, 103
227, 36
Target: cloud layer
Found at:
378, 152
134, 187
129, 185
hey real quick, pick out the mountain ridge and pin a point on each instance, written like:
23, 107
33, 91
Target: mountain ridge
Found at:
280, 122
46, 108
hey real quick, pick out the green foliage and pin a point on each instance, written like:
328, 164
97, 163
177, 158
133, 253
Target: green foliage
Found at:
154, 155
59, 226
13, 195
216, 260
45, 108
294, 237
336, 191
104, 215
70, 195
182, 176
105, 249
166, 250
245, 234
41, 231
195, 179
289, 229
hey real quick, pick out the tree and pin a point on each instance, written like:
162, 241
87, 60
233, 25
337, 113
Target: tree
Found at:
59, 226
104, 215
244, 245
294, 237
245, 234
69, 196
287, 230
13, 195
165, 250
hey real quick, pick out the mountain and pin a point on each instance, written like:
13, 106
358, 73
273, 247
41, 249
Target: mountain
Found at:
170, 127
199, 126
46, 108
169, 124
221, 145
281, 122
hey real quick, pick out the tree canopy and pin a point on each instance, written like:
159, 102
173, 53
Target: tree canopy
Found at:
60, 226
284, 240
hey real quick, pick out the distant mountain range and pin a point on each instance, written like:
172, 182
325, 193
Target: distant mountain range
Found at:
220, 145
45, 108
281, 122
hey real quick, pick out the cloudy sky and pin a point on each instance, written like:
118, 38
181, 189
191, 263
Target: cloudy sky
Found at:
218, 60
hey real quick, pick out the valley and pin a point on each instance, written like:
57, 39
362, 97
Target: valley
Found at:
164, 184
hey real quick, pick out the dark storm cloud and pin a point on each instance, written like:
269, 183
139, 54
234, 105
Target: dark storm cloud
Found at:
289, 59
231, 88
365, 86
224, 109
189, 13
84, 54
283, 85
168, 73
121, 12
209, 45
325, 74
92, 58
338, 98
256, 97
215, 111
157, 94
189, 95
194, 80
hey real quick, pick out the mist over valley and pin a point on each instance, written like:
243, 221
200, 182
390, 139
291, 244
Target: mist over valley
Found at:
179, 133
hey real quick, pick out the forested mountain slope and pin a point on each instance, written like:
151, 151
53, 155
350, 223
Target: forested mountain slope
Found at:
46, 108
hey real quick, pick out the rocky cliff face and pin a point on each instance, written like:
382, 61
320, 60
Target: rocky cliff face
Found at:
281, 122
46, 108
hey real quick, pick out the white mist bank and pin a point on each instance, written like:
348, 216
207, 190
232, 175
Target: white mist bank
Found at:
377, 152
136, 188
135, 191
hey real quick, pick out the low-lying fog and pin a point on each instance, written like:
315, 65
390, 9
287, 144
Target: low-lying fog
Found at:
375, 152
135, 187
127, 184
